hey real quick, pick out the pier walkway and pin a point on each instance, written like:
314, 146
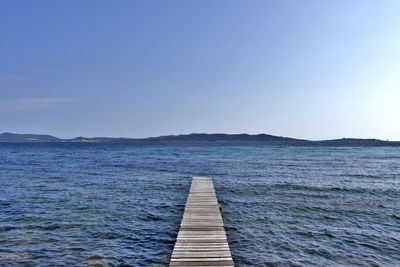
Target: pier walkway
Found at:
201, 239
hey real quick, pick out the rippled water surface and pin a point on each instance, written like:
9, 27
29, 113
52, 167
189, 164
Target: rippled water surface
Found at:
80, 204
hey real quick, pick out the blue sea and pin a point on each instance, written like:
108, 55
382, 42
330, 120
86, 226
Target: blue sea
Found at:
120, 204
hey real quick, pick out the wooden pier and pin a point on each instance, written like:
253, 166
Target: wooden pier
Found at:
202, 239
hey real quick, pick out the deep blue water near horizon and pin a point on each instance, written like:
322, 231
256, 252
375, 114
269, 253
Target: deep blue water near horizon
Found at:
110, 204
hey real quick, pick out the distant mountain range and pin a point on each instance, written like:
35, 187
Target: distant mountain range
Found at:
12, 137
265, 138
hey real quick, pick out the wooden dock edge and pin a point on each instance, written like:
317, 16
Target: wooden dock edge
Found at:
201, 239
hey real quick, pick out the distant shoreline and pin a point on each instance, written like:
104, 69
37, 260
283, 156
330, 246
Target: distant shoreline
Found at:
214, 138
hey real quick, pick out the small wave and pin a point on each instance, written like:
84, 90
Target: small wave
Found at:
395, 216
7, 228
99, 257
153, 217
44, 228
230, 229
15, 256
107, 235
77, 249
327, 189
281, 263
4, 204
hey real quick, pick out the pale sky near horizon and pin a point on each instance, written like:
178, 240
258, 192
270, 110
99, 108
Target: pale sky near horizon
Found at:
304, 69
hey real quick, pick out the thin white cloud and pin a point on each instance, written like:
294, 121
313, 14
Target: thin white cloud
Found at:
39, 103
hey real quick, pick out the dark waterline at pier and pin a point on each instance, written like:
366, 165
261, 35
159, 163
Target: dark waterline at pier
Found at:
121, 204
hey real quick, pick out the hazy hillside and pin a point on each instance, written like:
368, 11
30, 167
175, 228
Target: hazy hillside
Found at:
196, 137
12, 137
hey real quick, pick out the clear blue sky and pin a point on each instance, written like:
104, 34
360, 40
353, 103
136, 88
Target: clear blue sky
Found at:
307, 69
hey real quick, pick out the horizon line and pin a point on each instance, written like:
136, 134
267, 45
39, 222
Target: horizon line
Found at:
199, 133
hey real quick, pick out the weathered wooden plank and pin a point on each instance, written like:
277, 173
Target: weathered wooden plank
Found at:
201, 240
